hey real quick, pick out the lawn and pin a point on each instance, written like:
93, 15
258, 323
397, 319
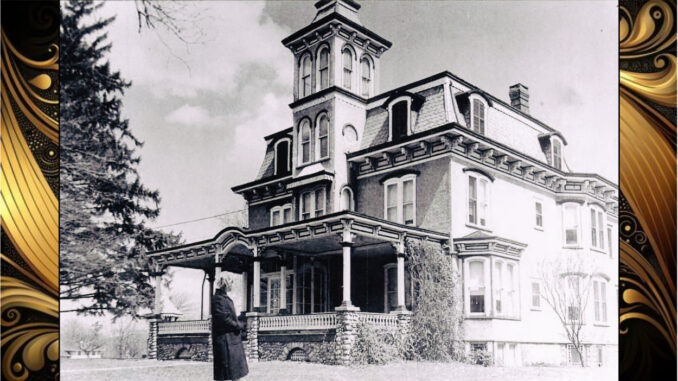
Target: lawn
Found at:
151, 370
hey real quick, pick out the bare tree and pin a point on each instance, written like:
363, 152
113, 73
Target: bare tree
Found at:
567, 284
173, 16
127, 341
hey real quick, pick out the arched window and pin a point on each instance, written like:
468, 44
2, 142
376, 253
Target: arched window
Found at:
347, 199
323, 142
281, 215
478, 116
305, 141
282, 157
366, 74
305, 76
348, 68
400, 118
350, 137
324, 67
400, 199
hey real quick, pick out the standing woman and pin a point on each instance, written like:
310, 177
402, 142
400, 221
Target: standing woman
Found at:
229, 356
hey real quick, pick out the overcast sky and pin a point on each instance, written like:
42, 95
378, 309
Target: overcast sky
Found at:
203, 108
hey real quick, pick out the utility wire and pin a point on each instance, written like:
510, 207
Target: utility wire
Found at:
200, 219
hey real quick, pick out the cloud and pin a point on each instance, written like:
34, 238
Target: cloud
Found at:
197, 116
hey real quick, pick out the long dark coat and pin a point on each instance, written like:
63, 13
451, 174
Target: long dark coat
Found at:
229, 356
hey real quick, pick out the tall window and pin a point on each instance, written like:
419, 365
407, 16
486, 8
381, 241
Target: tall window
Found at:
281, 215
599, 301
400, 115
609, 240
510, 289
323, 140
597, 232
282, 157
571, 224
539, 218
478, 116
366, 74
477, 287
478, 200
399, 200
536, 295
348, 67
312, 289
324, 68
312, 204
498, 287
557, 154
305, 142
305, 75
574, 299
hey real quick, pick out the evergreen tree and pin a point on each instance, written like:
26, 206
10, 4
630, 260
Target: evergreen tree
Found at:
103, 204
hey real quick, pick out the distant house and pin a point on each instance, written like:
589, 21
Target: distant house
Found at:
81, 354
361, 170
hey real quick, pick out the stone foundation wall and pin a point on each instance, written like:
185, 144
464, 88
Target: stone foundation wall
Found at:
196, 348
317, 347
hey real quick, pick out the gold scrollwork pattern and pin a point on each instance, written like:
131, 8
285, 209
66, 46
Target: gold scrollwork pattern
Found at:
29, 207
648, 168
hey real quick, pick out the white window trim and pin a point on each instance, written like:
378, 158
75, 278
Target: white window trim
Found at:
281, 209
555, 138
540, 307
400, 195
275, 154
316, 135
602, 248
578, 209
506, 295
610, 239
390, 115
478, 178
370, 63
317, 66
353, 68
487, 285
301, 142
313, 203
536, 226
472, 99
310, 75
275, 276
351, 200
603, 308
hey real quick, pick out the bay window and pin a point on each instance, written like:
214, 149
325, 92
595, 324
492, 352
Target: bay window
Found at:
312, 204
492, 287
400, 200
478, 200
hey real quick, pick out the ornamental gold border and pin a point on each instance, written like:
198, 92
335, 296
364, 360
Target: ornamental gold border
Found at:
29, 209
647, 161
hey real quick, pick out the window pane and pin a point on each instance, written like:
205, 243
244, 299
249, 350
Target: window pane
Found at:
348, 59
472, 204
324, 58
408, 214
477, 303
275, 218
408, 191
306, 203
324, 78
482, 202
392, 195
319, 202
594, 235
603, 301
400, 114
366, 68
392, 214
477, 273
323, 130
287, 215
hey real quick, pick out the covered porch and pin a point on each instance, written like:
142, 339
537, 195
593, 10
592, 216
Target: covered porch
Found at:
305, 284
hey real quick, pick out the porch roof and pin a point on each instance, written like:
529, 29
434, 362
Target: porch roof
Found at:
234, 247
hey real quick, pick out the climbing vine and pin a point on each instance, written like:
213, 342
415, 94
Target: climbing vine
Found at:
436, 332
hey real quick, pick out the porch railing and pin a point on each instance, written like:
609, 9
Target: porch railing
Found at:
183, 327
298, 322
379, 320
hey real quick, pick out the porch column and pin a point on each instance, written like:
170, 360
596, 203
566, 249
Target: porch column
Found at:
347, 249
245, 294
152, 342
256, 282
210, 279
400, 252
283, 286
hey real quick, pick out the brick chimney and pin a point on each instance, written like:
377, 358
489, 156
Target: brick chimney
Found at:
520, 98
